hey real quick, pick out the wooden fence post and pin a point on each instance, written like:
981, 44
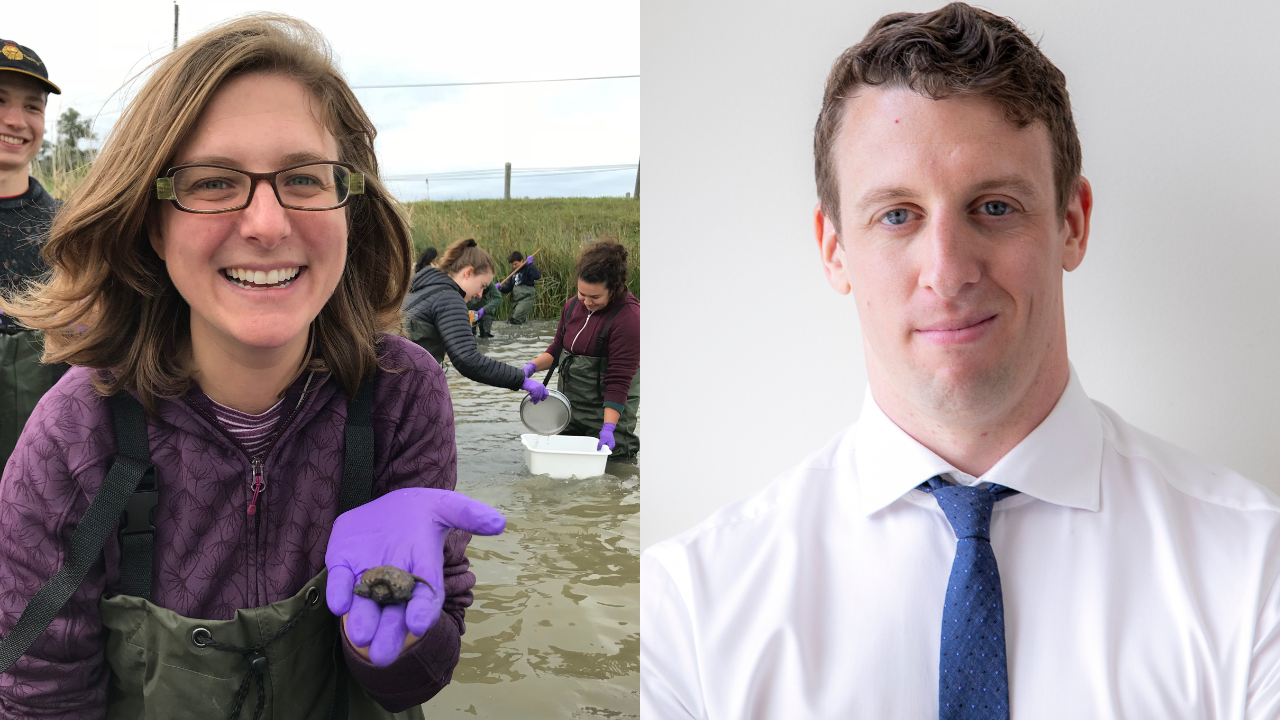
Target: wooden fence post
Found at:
506, 185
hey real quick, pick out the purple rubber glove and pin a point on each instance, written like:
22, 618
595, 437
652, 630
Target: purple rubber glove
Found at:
606, 436
480, 313
529, 369
536, 391
405, 528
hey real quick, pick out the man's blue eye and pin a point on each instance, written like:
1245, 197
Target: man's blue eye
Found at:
996, 208
895, 217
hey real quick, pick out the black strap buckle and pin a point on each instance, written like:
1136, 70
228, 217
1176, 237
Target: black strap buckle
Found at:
139, 514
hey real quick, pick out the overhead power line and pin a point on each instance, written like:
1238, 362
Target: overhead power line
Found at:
462, 175
491, 82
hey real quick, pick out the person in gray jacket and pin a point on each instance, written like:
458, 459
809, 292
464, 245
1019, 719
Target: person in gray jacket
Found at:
436, 317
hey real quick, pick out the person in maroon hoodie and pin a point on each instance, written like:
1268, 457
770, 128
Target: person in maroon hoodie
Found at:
242, 432
597, 349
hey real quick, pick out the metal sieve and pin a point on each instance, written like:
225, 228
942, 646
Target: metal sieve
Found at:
548, 417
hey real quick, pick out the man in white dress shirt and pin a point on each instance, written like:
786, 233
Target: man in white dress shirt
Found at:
1137, 580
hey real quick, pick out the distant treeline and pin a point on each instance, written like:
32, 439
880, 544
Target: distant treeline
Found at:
557, 226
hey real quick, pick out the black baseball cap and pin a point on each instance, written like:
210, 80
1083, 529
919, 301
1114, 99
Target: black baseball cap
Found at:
20, 59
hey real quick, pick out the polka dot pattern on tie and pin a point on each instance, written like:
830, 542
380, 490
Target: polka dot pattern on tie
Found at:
972, 670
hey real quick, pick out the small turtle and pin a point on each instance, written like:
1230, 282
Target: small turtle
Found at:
388, 584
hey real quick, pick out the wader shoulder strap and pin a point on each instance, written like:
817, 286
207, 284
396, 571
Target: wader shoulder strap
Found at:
357, 461
602, 348
115, 497
138, 524
412, 302
564, 325
356, 490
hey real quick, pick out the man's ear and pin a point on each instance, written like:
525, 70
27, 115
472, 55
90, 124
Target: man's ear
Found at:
1077, 223
154, 236
830, 250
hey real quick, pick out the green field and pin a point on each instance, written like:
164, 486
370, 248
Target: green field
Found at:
556, 226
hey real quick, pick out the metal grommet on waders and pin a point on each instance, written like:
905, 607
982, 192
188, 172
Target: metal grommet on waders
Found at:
168, 667
200, 637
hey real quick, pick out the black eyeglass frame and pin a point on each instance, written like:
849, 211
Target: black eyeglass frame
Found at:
165, 191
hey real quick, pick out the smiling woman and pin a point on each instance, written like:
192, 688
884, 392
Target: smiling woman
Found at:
257, 121
255, 325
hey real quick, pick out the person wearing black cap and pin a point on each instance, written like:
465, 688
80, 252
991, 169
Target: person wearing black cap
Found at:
26, 211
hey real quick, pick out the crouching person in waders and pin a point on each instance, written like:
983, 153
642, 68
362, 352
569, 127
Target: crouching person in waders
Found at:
189, 516
597, 349
436, 317
490, 301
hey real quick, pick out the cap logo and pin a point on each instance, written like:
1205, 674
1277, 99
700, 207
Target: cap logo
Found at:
12, 52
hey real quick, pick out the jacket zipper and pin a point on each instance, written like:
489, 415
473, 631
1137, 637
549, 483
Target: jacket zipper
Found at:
584, 327
258, 481
257, 474
257, 463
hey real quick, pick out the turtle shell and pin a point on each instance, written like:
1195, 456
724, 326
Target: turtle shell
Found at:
387, 585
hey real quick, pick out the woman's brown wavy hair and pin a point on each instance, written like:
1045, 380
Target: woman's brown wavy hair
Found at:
604, 262
108, 302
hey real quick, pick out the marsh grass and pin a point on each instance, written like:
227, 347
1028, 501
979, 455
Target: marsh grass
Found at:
59, 179
557, 226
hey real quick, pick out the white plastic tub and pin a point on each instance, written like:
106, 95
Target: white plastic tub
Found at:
563, 456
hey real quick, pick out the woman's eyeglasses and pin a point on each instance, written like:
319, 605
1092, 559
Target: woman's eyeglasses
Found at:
218, 188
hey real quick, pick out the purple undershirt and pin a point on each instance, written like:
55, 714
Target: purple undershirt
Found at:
251, 431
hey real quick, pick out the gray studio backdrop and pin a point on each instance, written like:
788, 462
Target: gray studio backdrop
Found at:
751, 361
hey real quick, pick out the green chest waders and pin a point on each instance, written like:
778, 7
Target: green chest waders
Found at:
23, 381
425, 334
522, 297
164, 665
582, 381
422, 332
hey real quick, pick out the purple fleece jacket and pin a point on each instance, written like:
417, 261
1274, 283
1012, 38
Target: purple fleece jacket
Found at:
211, 556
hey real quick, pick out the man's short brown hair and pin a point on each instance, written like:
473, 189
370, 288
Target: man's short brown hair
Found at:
957, 50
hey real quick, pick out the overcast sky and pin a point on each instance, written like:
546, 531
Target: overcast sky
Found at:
93, 49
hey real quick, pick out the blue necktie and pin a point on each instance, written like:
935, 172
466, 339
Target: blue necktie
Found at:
973, 680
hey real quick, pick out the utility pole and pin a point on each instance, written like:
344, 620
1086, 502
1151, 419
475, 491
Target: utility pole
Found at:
175, 25
637, 179
506, 186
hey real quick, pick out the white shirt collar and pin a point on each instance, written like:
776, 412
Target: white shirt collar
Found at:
1060, 462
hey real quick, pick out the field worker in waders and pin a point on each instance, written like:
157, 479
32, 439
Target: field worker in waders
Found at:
489, 302
436, 317
241, 436
521, 286
597, 350
26, 212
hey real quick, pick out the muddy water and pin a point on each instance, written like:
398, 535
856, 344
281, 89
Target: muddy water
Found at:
555, 628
